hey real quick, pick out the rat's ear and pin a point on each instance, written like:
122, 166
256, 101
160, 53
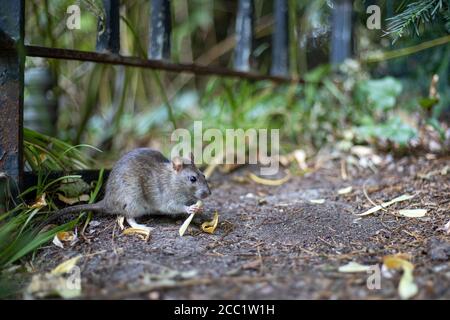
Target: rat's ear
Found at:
177, 164
191, 156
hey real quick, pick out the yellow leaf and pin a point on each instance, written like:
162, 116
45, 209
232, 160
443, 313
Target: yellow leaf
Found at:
144, 234
413, 213
385, 204
269, 182
40, 202
66, 266
345, 190
210, 226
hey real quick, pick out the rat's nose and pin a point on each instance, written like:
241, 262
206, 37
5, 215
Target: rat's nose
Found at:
205, 193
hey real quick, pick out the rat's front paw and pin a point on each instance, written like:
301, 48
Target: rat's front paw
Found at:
195, 208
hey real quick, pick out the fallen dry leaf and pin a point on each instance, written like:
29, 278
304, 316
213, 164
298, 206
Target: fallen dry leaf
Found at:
269, 182
345, 190
81, 198
353, 267
406, 288
385, 204
66, 266
39, 203
210, 226
317, 201
413, 213
144, 234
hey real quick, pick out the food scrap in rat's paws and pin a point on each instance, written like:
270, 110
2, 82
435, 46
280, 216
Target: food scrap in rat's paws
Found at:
144, 182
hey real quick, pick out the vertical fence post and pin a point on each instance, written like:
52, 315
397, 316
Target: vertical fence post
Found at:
280, 39
341, 31
160, 30
11, 89
108, 39
244, 35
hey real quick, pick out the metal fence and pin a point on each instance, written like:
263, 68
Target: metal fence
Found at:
13, 52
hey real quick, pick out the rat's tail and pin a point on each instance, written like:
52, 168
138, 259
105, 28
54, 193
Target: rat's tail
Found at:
98, 207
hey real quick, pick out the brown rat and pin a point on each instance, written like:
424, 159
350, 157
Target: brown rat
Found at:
143, 182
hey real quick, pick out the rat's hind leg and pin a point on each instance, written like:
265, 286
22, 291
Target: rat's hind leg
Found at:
136, 225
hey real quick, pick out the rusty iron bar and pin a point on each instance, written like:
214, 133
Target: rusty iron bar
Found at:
160, 30
108, 39
68, 54
11, 90
244, 36
280, 39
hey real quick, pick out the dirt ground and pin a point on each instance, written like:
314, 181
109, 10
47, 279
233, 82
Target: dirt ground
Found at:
273, 243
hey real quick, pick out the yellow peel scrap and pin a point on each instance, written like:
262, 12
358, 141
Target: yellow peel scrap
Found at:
142, 233
385, 204
269, 182
187, 222
210, 226
66, 266
406, 287
40, 202
64, 236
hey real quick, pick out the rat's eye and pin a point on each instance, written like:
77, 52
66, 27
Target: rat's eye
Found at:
192, 179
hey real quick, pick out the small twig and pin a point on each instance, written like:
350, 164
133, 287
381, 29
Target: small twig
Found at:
369, 199
261, 265
344, 170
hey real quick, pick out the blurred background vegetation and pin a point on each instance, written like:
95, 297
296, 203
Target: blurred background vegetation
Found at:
371, 97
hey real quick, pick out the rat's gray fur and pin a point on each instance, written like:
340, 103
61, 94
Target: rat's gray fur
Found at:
144, 182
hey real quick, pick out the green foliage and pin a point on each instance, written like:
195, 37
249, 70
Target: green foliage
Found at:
44, 153
392, 130
380, 94
22, 228
415, 16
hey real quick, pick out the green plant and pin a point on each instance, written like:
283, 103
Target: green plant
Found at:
23, 228
415, 16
